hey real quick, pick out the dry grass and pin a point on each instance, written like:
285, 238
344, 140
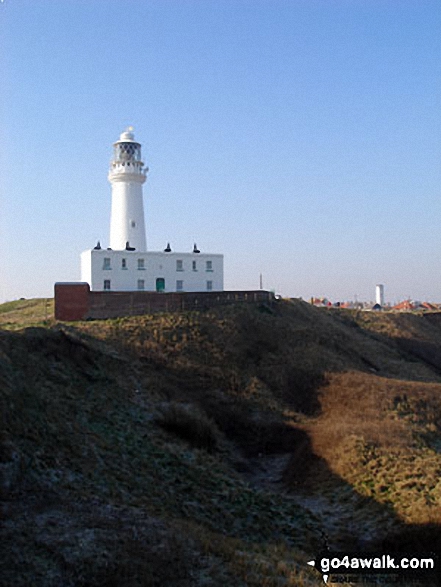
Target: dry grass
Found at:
24, 313
358, 404
380, 436
78, 426
354, 412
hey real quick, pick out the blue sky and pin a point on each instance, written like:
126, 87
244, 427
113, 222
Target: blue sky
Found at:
301, 138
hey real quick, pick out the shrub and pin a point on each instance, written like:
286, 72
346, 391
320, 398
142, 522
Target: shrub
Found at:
189, 423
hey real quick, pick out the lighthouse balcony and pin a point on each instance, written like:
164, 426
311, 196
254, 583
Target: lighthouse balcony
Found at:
121, 172
128, 167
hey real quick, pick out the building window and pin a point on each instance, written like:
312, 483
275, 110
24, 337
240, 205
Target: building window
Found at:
209, 265
194, 265
141, 264
123, 263
179, 265
179, 285
132, 222
106, 284
106, 263
209, 285
141, 284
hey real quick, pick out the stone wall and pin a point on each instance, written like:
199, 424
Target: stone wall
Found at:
75, 301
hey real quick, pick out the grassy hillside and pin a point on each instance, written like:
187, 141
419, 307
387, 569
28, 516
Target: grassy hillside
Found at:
224, 447
20, 313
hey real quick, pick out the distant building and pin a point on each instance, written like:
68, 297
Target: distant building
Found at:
406, 306
126, 265
321, 302
379, 294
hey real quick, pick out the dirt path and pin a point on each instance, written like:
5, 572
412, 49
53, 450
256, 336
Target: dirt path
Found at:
348, 519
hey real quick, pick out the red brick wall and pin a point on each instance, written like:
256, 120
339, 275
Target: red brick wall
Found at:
73, 302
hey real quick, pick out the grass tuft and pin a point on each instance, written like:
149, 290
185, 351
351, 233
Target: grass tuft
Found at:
189, 423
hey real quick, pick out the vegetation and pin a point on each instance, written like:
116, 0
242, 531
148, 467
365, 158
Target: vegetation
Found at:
21, 313
225, 447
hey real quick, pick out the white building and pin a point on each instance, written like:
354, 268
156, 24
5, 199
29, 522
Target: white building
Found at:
127, 265
379, 294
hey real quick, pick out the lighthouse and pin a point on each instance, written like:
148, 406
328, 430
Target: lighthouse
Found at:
126, 265
127, 175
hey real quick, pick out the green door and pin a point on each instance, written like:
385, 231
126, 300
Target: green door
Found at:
160, 284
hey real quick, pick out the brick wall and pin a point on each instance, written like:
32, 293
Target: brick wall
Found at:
75, 301
71, 300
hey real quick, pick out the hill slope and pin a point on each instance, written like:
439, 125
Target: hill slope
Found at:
221, 447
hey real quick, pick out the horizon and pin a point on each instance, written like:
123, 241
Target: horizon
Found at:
299, 139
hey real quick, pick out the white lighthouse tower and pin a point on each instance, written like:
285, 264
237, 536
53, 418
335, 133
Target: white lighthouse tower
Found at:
126, 265
127, 174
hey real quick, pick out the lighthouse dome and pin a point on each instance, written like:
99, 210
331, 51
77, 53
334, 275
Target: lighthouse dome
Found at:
127, 135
